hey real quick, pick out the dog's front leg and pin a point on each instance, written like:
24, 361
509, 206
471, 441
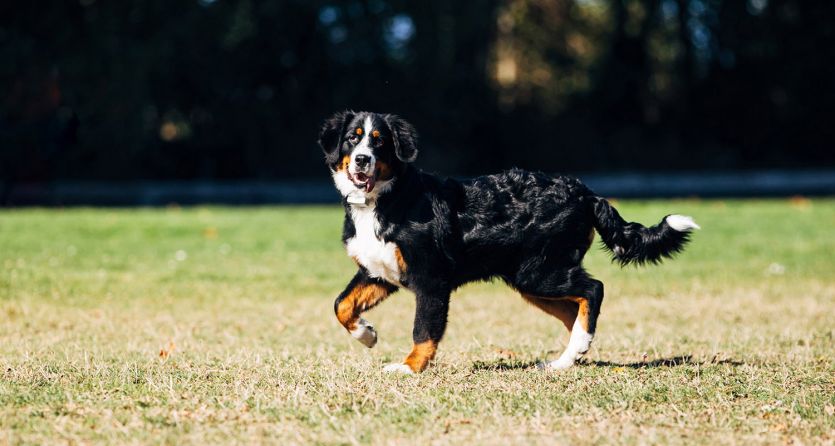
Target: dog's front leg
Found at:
361, 294
430, 324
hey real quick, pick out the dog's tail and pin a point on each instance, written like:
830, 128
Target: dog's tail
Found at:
635, 243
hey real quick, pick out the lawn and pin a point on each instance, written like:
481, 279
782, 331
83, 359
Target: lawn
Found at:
215, 325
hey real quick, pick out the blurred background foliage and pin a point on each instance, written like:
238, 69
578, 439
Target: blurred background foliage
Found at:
218, 89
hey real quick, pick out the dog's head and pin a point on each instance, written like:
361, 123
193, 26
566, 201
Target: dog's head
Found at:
366, 151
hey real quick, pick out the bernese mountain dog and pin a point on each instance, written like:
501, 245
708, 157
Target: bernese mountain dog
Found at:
408, 229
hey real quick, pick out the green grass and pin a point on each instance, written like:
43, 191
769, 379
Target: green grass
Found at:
215, 325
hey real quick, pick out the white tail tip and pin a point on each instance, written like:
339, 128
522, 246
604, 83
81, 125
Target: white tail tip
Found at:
682, 223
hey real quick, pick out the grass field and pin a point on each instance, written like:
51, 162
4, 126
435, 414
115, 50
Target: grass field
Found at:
215, 325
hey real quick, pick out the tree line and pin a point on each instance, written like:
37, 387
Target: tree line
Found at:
217, 89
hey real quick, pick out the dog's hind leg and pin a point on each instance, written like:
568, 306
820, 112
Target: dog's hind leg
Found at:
582, 334
577, 304
361, 295
563, 309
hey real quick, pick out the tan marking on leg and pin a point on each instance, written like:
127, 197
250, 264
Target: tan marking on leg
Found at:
400, 262
563, 309
361, 298
420, 356
571, 310
582, 312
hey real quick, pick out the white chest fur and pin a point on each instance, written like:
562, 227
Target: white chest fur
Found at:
377, 256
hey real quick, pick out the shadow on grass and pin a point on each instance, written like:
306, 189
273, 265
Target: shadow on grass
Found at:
504, 364
675, 361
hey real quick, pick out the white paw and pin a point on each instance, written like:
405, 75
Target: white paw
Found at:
365, 333
398, 368
565, 362
580, 341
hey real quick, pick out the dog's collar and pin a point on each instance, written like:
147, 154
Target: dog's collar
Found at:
358, 198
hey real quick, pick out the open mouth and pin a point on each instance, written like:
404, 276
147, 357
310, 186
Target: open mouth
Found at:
363, 181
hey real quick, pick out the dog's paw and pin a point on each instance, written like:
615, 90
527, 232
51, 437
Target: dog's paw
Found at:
560, 364
398, 368
365, 333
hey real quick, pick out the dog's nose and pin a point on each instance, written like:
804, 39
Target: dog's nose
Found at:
362, 160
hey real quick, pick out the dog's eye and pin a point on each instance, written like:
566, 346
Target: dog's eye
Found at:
378, 142
353, 139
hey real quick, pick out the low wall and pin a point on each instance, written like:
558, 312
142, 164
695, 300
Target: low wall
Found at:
620, 185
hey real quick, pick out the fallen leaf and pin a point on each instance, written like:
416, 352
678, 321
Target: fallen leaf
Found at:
164, 354
800, 202
449, 423
506, 354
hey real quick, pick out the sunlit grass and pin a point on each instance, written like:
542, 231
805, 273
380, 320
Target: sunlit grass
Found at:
215, 325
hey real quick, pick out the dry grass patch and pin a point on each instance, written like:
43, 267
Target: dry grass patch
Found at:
215, 325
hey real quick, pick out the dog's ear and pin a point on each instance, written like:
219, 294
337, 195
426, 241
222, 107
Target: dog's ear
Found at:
404, 137
330, 135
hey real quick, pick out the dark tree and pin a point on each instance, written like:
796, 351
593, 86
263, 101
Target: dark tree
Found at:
215, 89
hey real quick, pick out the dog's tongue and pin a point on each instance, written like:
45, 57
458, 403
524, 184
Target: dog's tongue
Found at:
368, 181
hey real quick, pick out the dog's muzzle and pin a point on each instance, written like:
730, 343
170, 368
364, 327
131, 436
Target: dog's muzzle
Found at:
362, 172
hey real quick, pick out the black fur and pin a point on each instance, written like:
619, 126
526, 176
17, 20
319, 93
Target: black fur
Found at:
633, 242
404, 137
528, 229
332, 133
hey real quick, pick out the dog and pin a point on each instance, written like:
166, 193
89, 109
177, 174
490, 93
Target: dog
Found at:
408, 229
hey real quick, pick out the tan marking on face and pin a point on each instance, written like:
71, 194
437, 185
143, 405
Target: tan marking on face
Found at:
401, 264
384, 171
363, 297
343, 164
420, 356
359, 131
375, 133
